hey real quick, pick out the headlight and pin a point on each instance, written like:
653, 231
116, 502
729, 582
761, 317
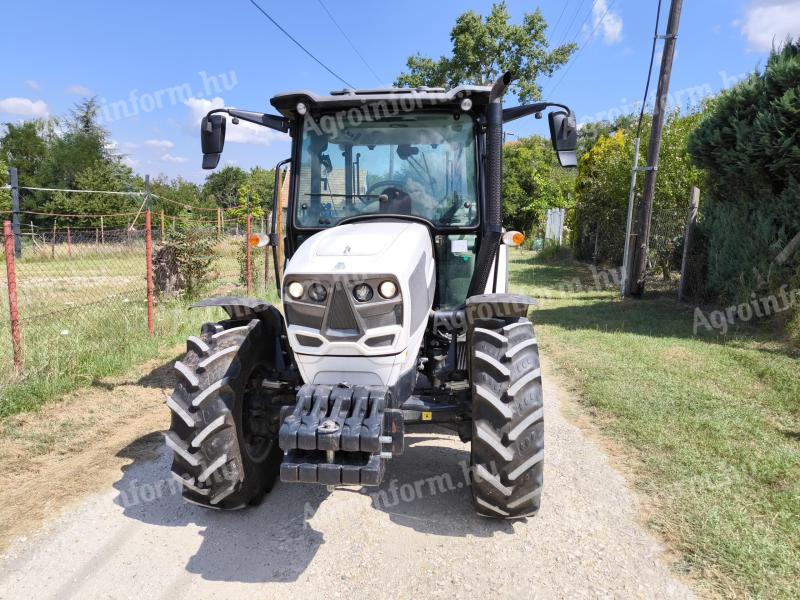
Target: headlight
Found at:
387, 289
295, 290
362, 292
317, 292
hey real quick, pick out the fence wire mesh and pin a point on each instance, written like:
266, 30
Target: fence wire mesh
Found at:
81, 291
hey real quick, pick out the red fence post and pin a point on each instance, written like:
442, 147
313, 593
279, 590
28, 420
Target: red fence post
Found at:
249, 258
148, 249
13, 305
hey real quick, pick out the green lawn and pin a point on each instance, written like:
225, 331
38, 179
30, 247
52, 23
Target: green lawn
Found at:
711, 424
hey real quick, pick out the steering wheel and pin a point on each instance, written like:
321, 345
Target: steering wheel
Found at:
386, 183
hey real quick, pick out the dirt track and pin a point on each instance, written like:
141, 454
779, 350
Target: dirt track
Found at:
138, 539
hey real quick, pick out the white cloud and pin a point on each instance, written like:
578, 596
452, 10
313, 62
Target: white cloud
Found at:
610, 23
164, 144
78, 90
173, 159
131, 162
24, 107
770, 21
243, 133
34, 85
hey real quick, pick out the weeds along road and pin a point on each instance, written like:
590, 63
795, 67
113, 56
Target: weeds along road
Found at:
415, 536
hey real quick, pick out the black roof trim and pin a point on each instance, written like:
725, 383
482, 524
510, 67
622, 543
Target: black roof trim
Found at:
423, 97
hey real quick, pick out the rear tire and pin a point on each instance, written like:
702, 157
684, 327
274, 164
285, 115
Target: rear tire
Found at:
507, 452
224, 427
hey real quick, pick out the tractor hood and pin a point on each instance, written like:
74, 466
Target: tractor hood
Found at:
358, 240
368, 247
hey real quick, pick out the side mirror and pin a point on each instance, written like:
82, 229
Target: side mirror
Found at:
212, 139
564, 134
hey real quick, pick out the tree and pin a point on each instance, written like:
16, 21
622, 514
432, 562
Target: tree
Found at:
603, 185
100, 175
483, 49
532, 183
83, 143
262, 184
24, 146
222, 187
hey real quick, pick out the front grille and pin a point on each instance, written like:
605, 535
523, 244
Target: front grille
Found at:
340, 313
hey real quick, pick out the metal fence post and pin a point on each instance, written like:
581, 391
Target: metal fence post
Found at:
13, 180
148, 249
13, 305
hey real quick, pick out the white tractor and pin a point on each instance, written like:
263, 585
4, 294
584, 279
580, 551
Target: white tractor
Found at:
395, 307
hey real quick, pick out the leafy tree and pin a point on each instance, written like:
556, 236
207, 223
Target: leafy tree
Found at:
603, 184
533, 182
483, 49
83, 144
222, 187
24, 146
262, 184
100, 175
177, 196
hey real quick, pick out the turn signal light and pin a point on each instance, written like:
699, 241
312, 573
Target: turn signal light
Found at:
513, 238
258, 240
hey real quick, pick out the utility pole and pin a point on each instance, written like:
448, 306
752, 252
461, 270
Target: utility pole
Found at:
635, 286
13, 180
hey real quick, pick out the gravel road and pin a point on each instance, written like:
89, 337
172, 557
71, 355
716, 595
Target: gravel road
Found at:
406, 539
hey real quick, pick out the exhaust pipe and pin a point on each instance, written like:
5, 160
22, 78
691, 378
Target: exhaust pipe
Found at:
493, 213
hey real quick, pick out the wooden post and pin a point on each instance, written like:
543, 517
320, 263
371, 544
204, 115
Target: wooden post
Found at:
691, 221
53, 241
219, 222
248, 251
148, 250
96, 236
13, 181
13, 305
69, 241
639, 263
162, 226
102, 231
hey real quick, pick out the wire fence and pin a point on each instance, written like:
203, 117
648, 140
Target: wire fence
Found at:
80, 300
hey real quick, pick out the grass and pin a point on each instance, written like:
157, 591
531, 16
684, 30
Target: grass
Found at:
711, 423
84, 317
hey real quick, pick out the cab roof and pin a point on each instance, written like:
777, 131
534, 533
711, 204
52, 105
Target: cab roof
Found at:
421, 97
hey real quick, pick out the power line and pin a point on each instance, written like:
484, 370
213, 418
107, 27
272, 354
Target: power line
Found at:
565, 36
553, 30
349, 41
581, 49
649, 71
303, 48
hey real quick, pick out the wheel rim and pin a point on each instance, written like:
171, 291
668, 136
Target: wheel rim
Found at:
259, 417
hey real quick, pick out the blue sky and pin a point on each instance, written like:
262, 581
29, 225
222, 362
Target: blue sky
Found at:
156, 66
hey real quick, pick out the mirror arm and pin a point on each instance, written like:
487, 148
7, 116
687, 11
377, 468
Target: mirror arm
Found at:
517, 112
271, 121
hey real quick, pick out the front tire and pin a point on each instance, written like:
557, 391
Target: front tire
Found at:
224, 427
507, 451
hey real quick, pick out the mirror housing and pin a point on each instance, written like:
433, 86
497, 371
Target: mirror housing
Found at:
212, 139
564, 135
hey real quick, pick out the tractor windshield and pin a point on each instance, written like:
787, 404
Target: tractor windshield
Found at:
420, 164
